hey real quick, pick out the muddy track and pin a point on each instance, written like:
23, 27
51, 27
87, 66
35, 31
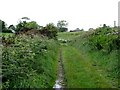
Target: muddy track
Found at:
61, 81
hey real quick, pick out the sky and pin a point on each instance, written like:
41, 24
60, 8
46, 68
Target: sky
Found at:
83, 14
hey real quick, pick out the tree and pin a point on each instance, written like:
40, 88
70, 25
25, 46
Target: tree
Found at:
81, 29
12, 28
20, 26
50, 30
32, 25
62, 24
26, 18
4, 28
24, 25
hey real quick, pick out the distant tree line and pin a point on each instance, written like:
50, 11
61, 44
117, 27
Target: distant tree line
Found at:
77, 30
25, 24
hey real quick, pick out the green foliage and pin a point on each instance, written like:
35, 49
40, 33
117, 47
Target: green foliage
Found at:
22, 26
101, 65
25, 25
29, 62
63, 29
12, 27
79, 71
32, 25
50, 30
62, 24
104, 38
3, 27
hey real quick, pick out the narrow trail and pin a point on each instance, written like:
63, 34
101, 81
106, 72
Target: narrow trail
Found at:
60, 83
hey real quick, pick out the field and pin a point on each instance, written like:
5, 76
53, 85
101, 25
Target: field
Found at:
89, 58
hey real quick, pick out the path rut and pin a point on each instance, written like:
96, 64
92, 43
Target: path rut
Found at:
60, 82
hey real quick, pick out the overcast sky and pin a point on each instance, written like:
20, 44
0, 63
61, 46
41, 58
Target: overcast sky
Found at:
78, 13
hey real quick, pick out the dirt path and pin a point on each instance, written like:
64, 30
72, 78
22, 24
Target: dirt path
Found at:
60, 82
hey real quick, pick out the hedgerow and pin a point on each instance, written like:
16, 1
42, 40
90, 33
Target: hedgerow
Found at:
104, 38
29, 62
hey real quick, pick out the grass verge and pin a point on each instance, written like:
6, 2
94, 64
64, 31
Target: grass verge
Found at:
79, 71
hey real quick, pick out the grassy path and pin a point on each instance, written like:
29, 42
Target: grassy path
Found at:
79, 71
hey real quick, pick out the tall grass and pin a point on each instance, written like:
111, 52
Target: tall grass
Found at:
105, 62
30, 63
88, 67
80, 73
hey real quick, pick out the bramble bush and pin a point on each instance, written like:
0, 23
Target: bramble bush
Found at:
29, 62
104, 38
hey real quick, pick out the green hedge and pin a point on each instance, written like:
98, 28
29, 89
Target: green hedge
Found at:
29, 63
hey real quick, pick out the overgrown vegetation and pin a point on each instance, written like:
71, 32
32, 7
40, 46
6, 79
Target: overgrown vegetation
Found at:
102, 45
30, 54
104, 38
91, 58
29, 62
80, 72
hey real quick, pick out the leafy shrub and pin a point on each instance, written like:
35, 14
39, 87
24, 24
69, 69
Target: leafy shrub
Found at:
104, 38
24, 26
28, 63
101, 46
50, 30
